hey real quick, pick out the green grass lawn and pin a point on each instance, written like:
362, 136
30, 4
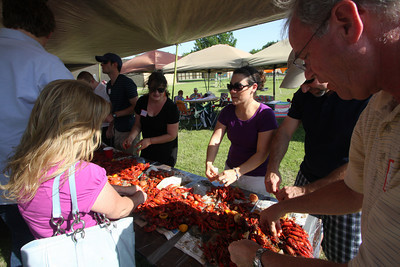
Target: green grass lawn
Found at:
192, 147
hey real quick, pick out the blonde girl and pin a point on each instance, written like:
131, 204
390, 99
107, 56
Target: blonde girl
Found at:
64, 130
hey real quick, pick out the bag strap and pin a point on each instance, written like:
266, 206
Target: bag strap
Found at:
57, 218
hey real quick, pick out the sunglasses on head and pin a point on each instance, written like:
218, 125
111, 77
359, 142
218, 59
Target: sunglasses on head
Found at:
237, 86
160, 90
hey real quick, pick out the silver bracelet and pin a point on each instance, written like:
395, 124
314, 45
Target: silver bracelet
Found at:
257, 260
237, 174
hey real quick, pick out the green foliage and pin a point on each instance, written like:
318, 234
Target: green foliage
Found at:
222, 38
269, 44
253, 51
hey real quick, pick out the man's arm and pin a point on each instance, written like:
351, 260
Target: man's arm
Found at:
243, 252
279, 146
129, 110
334, 199
296, 191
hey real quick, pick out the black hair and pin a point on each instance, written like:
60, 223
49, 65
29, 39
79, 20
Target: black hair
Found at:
254, 75
33, 16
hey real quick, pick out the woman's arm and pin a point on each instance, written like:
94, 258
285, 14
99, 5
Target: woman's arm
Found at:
115, 206
263, 147
172, 133
212, 150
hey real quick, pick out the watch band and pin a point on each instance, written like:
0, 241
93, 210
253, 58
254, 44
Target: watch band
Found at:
257, 259
237, 173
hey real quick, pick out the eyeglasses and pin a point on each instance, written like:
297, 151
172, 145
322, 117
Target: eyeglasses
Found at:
299, 63
160, 90
237, 86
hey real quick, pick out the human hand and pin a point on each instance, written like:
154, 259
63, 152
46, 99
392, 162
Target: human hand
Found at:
272, 182
243, 252
110, 132
142, 144
109, 118
138, 198
269, 219
227, 177
127, 142
211, 172
288, 192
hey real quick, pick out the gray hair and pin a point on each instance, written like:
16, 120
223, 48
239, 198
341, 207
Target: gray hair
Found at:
315, 13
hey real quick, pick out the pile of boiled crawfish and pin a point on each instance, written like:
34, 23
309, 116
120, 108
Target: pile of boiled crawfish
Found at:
223, 211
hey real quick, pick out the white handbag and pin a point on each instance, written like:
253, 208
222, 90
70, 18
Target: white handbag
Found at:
110, 243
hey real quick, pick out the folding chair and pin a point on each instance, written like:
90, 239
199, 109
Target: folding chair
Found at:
223, 100
184, 114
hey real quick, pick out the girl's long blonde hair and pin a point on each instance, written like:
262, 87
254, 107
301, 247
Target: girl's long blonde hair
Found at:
64, 127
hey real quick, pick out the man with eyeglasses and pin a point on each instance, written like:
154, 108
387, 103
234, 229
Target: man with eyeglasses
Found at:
123, 96
328, 122
356, 51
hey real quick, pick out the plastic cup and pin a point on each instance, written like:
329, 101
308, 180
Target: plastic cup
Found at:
108, 151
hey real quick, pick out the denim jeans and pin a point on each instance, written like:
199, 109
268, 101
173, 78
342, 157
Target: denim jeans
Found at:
20, 233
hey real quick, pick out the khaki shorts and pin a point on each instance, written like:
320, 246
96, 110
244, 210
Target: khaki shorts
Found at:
119, 138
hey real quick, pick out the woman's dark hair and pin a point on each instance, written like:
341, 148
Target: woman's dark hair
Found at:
254, 75
157, 79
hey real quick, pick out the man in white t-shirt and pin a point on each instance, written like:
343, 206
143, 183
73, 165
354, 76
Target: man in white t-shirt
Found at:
99, 89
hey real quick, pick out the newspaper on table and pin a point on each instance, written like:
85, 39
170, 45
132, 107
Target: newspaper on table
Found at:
190, 245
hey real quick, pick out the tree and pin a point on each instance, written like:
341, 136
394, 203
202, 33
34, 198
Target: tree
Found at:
222, 38
253, 51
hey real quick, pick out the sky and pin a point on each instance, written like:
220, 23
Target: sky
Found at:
247, 39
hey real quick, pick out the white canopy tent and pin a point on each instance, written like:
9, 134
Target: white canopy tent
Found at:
219, 57
272, 56
275, 54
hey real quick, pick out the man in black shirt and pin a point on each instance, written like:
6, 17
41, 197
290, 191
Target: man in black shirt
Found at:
123, 96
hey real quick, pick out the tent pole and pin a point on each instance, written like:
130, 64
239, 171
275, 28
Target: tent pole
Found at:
99, 72
176, 59
274, 80
209, 73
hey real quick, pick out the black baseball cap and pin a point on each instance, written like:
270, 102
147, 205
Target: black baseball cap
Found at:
110, 57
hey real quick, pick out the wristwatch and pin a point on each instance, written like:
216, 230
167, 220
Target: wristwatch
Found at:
114, 115
257, 259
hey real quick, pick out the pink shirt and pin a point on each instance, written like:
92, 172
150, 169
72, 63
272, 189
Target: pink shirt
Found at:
90, 180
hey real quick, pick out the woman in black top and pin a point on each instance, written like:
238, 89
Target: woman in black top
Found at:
159, 123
